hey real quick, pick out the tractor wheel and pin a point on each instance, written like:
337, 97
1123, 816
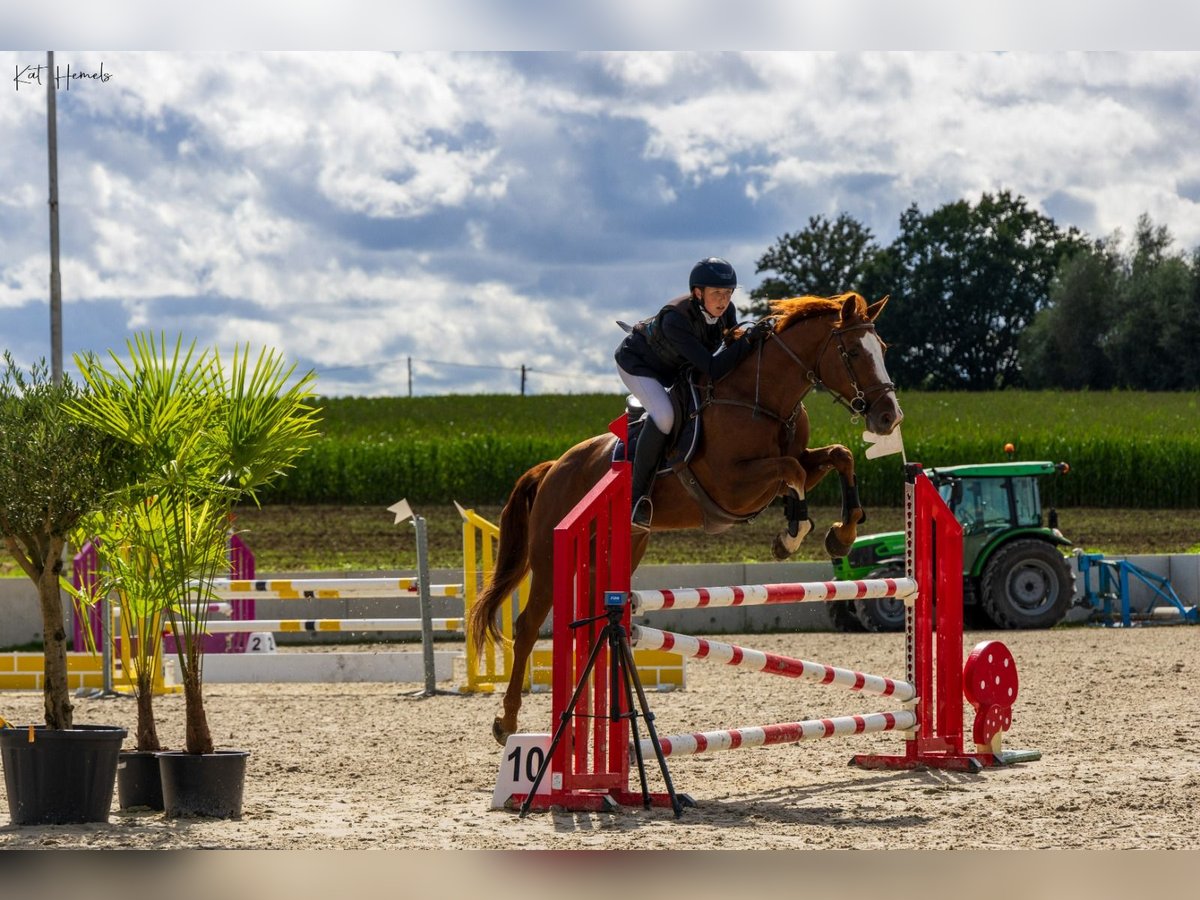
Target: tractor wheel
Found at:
886, 613
843, 616
1027, 584
976, 618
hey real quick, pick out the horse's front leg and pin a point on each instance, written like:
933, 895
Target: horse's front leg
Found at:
799, 523
818, 462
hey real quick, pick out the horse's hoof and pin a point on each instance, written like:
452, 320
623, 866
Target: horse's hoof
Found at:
786, 544
499, 732
834, 545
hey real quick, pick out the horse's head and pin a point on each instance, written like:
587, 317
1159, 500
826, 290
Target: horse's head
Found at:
848, 360
852, 365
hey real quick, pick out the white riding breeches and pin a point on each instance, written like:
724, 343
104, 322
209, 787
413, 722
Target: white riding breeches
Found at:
653, 397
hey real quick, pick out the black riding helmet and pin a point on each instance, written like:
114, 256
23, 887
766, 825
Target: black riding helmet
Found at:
712, 272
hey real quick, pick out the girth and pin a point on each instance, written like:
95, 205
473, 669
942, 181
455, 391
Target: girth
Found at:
717, 519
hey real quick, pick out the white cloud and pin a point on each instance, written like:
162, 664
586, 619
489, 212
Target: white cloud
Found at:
380, 134
934, 126
641, 70
499, 209
23, 279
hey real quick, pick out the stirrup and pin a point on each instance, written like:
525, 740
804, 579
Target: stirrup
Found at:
643, 512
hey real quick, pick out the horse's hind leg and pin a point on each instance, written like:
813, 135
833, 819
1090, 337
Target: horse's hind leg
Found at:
525, 634
818, 462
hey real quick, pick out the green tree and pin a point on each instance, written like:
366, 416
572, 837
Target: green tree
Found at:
1184, 328
1066, 345
1152, 343
54, 471
1120, 316
965, 282
823, 258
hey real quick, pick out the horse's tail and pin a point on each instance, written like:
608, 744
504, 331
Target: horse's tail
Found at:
512, 557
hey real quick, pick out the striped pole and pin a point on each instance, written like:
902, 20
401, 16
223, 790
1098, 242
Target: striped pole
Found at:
327, 588
229, 626
223, 608
760, 594
773, 663
784, 733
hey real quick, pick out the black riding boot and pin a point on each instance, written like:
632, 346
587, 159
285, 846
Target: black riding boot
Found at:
645, 464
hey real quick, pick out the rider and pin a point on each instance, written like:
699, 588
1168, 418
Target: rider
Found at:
688, 331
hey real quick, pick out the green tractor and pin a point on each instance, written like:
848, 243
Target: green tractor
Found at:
1014, 575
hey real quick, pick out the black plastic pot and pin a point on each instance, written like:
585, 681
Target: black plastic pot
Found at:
61, 777
139, 783
203, 784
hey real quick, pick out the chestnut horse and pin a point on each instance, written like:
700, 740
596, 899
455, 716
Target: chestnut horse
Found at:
753, 448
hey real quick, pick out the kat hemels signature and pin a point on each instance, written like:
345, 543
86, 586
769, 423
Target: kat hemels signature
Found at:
32, 76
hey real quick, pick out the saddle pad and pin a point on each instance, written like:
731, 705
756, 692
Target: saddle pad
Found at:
685, 438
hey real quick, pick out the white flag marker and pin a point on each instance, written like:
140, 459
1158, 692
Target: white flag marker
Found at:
883, 444
402, 510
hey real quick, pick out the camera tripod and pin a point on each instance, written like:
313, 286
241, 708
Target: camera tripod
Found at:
624, 681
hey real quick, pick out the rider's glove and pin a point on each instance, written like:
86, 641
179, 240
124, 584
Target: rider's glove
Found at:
758, 332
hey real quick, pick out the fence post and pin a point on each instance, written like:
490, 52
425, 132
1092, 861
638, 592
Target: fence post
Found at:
426, 603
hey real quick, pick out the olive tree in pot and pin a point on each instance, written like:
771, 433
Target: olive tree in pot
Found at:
219, 435
54, 470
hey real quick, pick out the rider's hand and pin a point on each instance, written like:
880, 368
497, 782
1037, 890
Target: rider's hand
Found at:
758, 332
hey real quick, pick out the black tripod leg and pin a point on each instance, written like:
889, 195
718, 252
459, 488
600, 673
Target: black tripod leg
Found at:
627, 684
562, 725
635, 683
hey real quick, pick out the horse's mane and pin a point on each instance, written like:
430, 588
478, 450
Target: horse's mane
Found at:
791, 310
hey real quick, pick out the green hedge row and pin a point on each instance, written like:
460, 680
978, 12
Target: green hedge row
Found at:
1112, 473
481, 470
471, 470
1124, 449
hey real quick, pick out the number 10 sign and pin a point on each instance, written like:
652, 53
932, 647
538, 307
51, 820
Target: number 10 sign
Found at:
523, 755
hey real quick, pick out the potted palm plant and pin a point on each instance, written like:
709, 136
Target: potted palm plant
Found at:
129, 571
215, 437
155, 404
54, 470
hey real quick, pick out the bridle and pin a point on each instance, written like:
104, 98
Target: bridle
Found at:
862, 400
858, 405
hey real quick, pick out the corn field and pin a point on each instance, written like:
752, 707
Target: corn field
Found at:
1125, 449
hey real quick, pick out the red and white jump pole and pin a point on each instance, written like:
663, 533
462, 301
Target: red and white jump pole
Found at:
772, 663
590, 767
783, 733
761, 594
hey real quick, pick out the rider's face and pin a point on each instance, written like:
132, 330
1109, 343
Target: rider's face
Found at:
715, 300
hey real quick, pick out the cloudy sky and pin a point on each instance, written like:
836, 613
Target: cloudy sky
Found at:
499, 209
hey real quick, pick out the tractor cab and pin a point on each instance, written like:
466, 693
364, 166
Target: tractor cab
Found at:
1014, 575
997, 501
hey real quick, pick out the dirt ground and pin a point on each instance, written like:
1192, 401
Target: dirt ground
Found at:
336, 766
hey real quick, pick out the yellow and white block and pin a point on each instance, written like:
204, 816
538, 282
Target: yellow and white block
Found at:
23, 671
659, 670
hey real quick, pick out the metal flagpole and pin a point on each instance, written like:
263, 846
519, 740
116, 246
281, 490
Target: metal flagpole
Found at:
56, 362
